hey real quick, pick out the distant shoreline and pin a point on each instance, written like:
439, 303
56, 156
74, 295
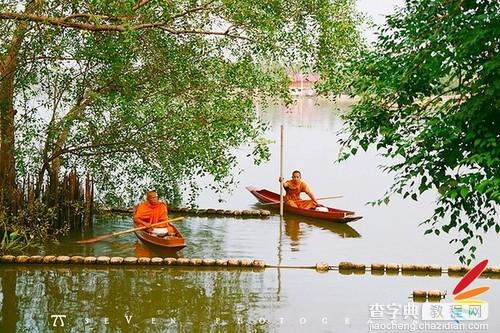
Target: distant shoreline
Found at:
342, 99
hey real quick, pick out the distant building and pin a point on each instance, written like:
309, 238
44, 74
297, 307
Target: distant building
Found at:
303, 84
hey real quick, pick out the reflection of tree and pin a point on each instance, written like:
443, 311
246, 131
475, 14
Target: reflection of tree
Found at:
10, 313
200, 231
193, 299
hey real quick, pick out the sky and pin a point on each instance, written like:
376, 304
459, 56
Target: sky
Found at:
377, 10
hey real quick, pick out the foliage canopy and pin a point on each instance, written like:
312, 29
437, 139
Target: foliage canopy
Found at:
429, 99
159, 91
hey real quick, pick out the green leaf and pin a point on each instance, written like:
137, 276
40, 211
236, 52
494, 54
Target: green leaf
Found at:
453, 194
463, 192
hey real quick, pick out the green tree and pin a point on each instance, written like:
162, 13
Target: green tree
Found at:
153, 93
429, 100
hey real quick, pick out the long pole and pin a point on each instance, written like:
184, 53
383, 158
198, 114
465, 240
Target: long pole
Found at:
281, 213
281, 172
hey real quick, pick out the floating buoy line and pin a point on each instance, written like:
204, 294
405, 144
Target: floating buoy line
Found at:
344, 267
203, 212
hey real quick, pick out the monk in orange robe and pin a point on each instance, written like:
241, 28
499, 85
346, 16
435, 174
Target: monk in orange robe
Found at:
152, 211
294, 187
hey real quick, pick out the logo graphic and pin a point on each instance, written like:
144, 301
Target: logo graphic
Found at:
468, 278
463, 307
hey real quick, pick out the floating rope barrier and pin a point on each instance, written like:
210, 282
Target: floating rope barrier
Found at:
104, 260
347, 268
209, 211
344, 267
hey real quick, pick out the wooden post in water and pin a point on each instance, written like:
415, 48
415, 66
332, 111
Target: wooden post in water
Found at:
281, 171
87, 212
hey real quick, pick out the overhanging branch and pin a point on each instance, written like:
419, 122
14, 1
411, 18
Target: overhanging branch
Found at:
69, 22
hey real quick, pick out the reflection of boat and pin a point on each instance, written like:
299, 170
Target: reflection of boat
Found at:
303, 228
150, 251
168, 242
292, 227
333, 214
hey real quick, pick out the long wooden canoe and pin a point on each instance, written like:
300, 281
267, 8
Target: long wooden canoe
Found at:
176, 242
333, 214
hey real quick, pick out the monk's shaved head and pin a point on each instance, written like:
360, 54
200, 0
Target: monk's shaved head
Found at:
152, 197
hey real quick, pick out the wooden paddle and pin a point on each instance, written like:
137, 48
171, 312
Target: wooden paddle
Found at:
100, 238
322, 198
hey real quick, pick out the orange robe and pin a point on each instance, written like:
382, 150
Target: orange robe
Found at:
292, 196
150, 214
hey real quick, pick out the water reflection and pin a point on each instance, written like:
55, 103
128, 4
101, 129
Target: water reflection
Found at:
293, 229
147, 250
131, 299
342, 230
293, 223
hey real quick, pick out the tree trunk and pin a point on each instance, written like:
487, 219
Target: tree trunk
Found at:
88, 200
62, 129
8, 67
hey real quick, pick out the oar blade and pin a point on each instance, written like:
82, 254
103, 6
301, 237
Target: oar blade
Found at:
93, 240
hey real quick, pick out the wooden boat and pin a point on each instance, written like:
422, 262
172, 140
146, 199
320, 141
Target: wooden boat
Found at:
176, 242
333, 214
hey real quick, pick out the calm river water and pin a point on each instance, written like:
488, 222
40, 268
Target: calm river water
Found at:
159, 299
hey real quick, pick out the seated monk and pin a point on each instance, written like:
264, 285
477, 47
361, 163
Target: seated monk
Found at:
152, 211
293, 188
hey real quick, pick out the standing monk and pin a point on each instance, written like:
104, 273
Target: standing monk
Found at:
293, 188
153, 211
